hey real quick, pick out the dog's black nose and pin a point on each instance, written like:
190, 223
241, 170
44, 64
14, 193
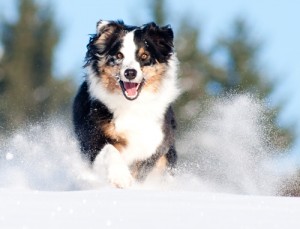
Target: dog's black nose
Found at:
130, 73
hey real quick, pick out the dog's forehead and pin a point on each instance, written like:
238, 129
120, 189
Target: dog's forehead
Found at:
128, 42
133, 41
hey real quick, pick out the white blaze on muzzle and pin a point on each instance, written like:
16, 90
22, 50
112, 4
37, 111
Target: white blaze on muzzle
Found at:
129, 62
131, 75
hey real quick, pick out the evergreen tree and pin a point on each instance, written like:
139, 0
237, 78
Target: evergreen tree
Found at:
28, 89
158, 11
241, 53
196, 71
243, 75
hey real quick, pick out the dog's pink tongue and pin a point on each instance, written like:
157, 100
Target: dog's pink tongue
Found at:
131, 88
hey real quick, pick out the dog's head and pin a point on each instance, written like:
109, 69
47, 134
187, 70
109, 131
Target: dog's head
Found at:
129, 59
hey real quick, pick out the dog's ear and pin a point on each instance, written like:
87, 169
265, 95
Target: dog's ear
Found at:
104, 27
100, 25
105, 31
162, 34
161, 37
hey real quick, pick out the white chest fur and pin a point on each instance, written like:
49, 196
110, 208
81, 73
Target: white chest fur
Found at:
143, 133
142, 128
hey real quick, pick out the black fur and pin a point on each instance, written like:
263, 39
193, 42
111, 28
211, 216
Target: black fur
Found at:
88, 116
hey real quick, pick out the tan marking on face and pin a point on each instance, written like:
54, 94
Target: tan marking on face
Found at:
141, 51
118, 139
108, 78
143, 54
153, 76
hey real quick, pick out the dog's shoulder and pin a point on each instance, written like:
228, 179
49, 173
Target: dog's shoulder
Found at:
86, 107
82, 103
88, 117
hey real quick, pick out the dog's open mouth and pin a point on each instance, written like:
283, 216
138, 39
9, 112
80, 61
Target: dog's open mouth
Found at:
131, 90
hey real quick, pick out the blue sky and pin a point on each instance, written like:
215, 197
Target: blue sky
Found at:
275, 23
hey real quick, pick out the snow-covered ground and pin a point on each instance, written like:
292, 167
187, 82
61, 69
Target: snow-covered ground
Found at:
110, 208
224, 179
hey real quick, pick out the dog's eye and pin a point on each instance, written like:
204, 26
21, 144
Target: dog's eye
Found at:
144, 56
119, 56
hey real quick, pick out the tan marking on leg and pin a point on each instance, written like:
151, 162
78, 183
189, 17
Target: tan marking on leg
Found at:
161, 164
160, 169
135, 169
118, 139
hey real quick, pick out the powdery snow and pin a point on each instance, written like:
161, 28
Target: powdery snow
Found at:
111, 208
225, 179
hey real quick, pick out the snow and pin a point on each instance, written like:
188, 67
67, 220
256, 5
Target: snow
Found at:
225, 179
111, 208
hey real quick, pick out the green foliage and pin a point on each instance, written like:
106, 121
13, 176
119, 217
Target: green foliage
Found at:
158, 11
243, 75
242, 68
196, 71
28, 89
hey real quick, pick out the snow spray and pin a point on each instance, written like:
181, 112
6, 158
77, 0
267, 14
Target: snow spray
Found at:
228, 148
225, 151
44, 157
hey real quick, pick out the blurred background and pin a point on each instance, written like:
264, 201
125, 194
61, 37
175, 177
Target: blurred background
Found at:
224, 47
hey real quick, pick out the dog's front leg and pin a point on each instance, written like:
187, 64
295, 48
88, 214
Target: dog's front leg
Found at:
110, 161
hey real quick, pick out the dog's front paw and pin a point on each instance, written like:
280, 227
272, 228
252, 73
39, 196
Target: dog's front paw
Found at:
119, 176
110, 163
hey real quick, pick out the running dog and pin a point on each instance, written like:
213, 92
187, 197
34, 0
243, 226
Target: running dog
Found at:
122, 113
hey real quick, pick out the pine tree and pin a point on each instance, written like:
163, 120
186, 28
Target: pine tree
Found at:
243, 75
196, 71
241, 51
158, 11
28, 89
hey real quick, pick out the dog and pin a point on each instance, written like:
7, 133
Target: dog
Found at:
122, 113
